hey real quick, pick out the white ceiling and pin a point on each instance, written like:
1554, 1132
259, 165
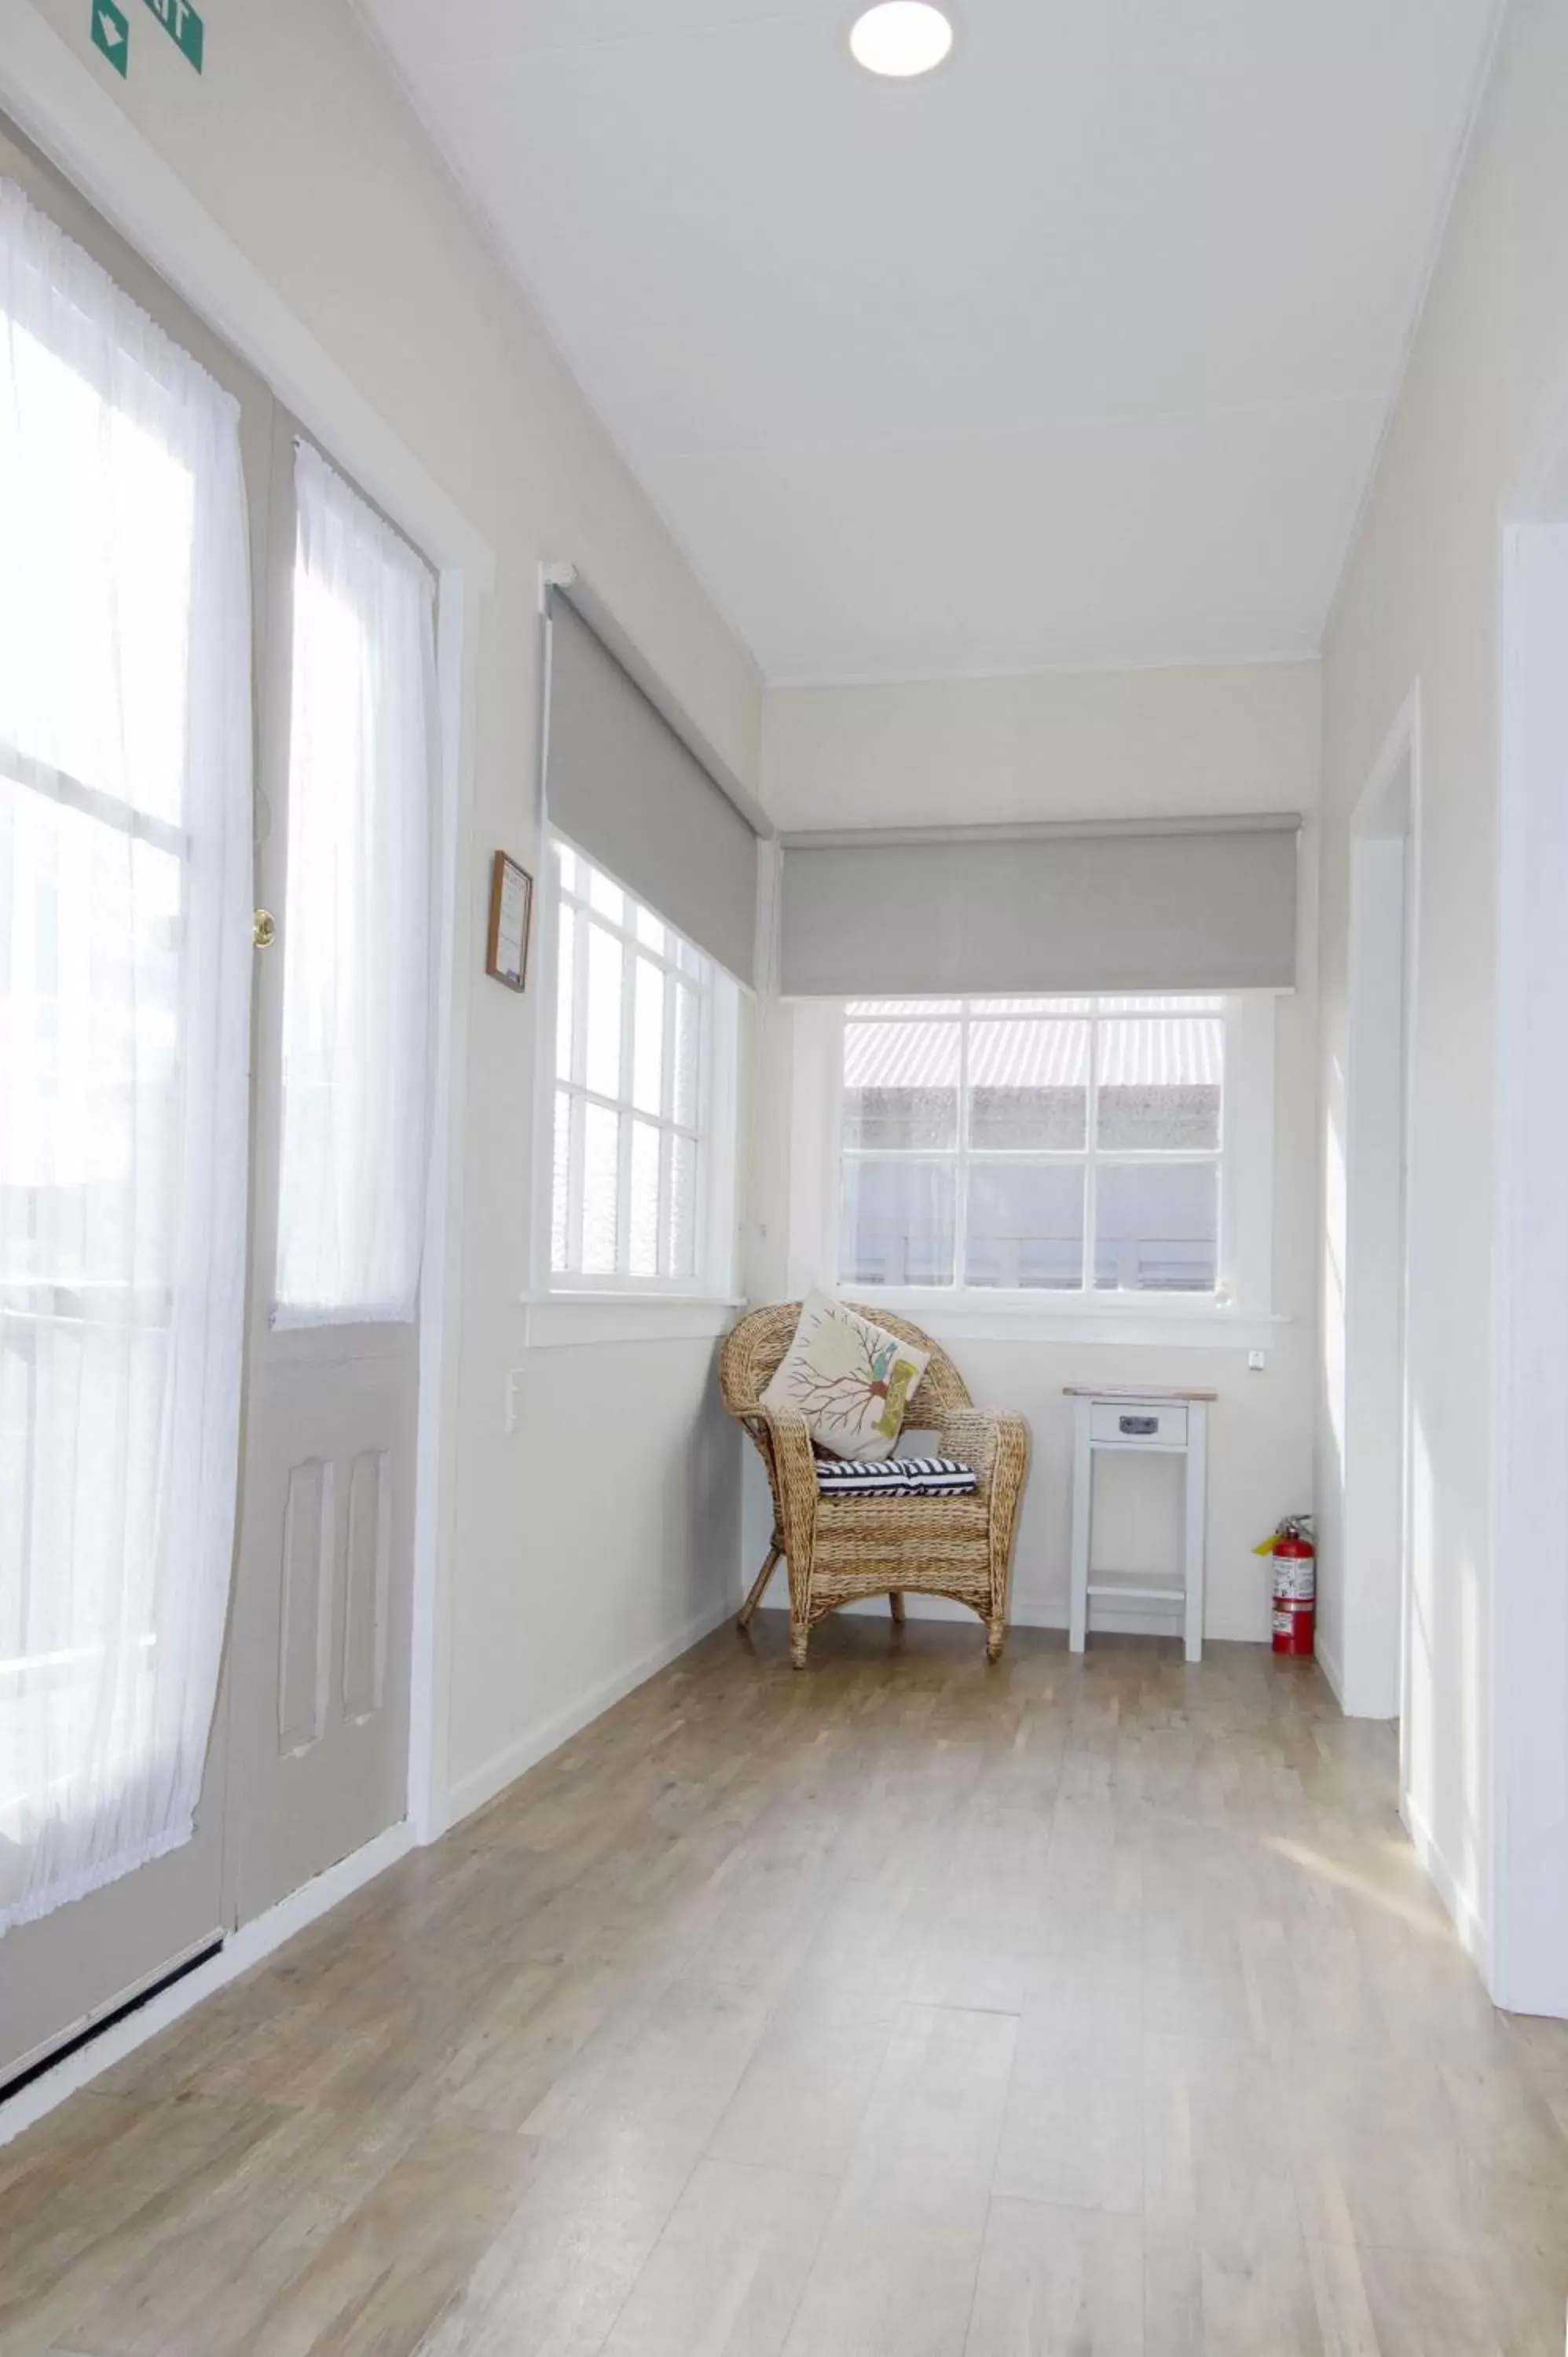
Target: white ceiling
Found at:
1076, 353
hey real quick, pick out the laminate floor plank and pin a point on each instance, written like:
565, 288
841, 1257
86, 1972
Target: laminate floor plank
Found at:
805, 2091
726, 2277
1200, 2300
137, 2200
1073, 2134
1087, 2007
1058, 2283
557, 2275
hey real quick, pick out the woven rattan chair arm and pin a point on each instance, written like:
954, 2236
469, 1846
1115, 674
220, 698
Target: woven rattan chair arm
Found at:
795, 1478
996, 1441
981, 1435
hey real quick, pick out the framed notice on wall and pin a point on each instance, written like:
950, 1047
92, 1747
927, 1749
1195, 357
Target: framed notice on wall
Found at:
512, 921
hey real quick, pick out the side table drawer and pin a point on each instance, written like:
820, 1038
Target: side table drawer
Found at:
1155, 1424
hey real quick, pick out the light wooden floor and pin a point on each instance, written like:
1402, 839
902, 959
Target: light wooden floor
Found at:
898, 2011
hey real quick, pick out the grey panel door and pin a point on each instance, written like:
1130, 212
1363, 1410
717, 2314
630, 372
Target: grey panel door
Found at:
308, 1754
60, 1974
323, 1603
322, 1608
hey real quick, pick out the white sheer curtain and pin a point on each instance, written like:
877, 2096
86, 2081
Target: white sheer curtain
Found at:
125, 866
356, 933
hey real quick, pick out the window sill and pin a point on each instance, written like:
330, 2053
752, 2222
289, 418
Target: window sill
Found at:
579, 1320
1173, 1324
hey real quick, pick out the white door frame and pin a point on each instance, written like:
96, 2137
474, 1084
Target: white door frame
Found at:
1528, 1631
1385, 899
53, 96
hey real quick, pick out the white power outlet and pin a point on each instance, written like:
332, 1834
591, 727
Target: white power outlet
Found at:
1257, 1361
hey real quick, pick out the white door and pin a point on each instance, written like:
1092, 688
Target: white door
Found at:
307, 1754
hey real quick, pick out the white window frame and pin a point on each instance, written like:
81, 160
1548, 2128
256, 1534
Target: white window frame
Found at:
1239, 1312
693, 1302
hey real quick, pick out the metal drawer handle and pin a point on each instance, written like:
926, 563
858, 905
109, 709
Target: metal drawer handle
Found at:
1140, 1428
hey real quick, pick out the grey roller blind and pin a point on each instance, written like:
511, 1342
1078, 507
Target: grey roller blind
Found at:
632, 794
1195, 905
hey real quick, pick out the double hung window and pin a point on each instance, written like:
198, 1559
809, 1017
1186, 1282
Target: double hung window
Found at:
1033, 1144
644, 1062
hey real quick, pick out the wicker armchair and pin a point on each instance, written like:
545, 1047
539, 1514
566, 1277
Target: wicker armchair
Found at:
841, 1548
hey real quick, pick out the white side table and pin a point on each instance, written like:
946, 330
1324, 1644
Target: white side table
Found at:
1140, 1423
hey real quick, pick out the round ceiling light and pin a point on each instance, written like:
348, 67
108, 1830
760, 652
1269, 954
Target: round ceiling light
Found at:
900, 37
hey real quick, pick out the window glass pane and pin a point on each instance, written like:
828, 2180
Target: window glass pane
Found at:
105, 504
1157, 1227
560, 1183
607, 897
602, 1070
644, 1214
628, 1190
898, 1222
687, 1033
601, 1160
1025, 1226
682, 1207
565, 991
90, 1027
356, 913
651, 933
566, 869
648, 1056
900, 1085
1160, 1083
1028, 1084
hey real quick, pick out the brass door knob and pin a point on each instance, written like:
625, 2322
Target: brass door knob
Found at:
264, 928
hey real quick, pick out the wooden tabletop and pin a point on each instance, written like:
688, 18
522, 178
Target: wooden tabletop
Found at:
1132, 1391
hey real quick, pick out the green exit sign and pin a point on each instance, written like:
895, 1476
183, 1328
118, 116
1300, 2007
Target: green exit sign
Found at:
183, 26
111, 34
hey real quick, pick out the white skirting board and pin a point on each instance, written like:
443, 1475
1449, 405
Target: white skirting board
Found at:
482, 1783
1328, 1662
240, 1950
1462, 1904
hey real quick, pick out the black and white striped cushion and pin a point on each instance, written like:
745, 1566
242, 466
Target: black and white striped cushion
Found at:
897, 1477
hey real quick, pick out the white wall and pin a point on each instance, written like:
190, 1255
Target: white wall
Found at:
294, 140
1044, 744
1112, 744
1419, 606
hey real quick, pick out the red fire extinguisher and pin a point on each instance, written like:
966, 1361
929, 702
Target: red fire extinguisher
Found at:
1295, 1583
